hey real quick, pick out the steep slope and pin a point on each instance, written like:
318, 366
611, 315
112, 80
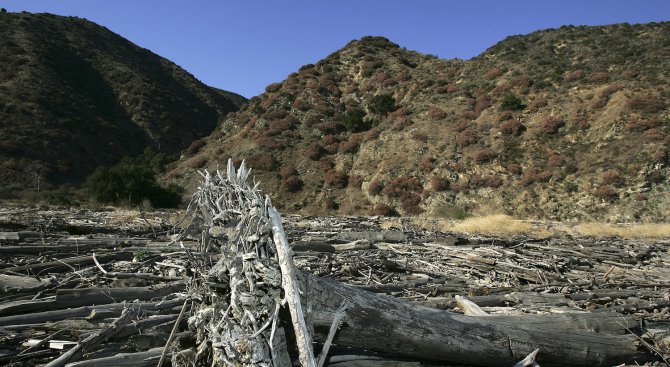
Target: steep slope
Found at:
569, 123
74, 96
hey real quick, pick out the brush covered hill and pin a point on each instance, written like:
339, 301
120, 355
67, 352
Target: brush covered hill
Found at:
74, 96
569, 123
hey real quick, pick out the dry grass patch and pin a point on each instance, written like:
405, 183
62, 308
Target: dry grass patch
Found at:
652, 230
501, 225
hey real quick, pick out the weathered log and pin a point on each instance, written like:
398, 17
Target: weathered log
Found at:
94, 339
140, 359
115, 309
388, 325
67, 264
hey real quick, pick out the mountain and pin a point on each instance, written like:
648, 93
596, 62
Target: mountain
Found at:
74, 96
570, 123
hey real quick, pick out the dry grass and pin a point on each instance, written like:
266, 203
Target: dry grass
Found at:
653, 230
495, 225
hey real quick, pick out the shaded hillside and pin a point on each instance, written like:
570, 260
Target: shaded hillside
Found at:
570, 123
74, 96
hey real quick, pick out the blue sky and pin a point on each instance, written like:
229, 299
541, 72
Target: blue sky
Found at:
243, 46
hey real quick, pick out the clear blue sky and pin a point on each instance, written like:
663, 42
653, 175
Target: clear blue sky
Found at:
244, 45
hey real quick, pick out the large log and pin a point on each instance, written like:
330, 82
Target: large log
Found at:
392, 326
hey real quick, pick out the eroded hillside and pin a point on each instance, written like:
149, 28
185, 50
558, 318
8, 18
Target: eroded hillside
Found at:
570, 123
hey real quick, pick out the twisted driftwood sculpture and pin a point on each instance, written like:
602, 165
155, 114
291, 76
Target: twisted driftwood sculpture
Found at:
246, 276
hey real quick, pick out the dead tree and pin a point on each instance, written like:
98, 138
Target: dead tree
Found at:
238, 301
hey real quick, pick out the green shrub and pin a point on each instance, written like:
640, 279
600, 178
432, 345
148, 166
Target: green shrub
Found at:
133, 180
353, 120
511, 102
382, 104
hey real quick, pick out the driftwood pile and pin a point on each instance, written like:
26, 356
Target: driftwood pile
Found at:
76, 289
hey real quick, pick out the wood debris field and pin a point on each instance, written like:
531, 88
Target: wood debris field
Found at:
123, 288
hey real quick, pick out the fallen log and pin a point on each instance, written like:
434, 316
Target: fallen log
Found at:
67, 264
389, 325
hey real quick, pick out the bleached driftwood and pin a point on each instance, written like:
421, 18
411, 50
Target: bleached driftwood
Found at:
237, 303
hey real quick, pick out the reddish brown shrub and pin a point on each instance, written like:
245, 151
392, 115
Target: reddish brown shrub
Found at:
571, 76
656, 177
330, 204
348, 146
470, 115
195, 147
493, 181
606, 193
267, 142
426, 164
638, 125
549, 126
465, 138
438, 183
329, 139
641, 197
462, 125
514, 168
554, 159
375, 187
522, 81
612, 177
291, 184
336, 179
301, 104
583, 124
537, 104
331, 127
371, 134
484, 155
400, 112
274, 87
532, 176
275, 115
261, 161
493, 73
411, 204
483, 103
512, 128
314, 152
355, 181
461, 186
197, 162
420, 137
436, 113
599, 77
276, 127
402, 186
288, 170
646, 104
457, 167
655, 134
384, 210
326, 164
402, 123
311, 120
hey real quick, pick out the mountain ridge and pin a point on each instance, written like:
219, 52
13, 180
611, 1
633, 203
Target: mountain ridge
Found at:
75, 96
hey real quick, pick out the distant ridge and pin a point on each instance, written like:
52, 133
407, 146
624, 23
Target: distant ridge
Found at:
74, 96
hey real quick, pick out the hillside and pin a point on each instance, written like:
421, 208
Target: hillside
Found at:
568, 123
74, 96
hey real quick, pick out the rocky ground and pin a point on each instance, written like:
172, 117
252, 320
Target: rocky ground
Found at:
67, 276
